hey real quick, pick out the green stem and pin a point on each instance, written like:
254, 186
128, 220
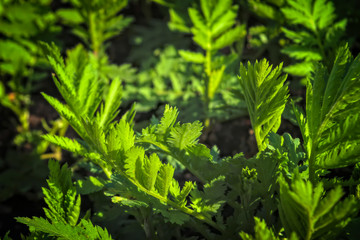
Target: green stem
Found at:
312, 170
208, 70
95, 45
320, 45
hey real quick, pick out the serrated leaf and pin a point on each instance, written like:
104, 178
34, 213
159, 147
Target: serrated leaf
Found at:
68, 144
112, 103
134, 155
301, 206
185, 135
265, 95
167, 121
332, 113
120, 139
211, 198
302, 53
164, 179
148, 170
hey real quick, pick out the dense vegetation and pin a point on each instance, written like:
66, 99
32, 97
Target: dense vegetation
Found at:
179, 119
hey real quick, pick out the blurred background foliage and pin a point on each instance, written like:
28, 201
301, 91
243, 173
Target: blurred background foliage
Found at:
156, 49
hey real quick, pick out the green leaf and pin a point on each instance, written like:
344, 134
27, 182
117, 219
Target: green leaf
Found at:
180, 196
185, 135
89, 185
167, 121
316, 25
71, 16
119, 140
65, 143
164, 179
262, 232
192, 56
134, 155
265, 95
147, 171
302, 53
112, 103
211, 198
61, 198
214, 81
197, 19
332, 113
85, 230
229, 37
305, 211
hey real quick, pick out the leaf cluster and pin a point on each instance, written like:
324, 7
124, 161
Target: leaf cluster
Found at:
94, 22
265, 95
315, 34
112, 145
63, 210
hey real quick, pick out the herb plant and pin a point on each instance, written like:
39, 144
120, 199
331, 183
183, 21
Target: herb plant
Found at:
282, 177
156, 178
315, 34
213, 28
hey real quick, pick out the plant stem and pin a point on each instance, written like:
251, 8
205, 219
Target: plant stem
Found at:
311, 170
93, 34
208, 71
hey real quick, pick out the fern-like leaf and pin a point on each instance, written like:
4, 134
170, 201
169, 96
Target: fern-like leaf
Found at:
330, 130
185, 135
265, 95
305, 211
319, 36
85, 230
61, 197
65, 143
164, 179
112, 103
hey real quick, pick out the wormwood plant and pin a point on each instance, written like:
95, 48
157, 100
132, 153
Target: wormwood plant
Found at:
63, 212
95, 21
22, 68
22, 23
214, 28
315, 34
283, 187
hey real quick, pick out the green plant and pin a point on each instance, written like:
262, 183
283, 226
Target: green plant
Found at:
266, 96
279, 178
332, 112
316, 34
22, 71
96, 21
214, 28
23, 23
166, 77
63, 212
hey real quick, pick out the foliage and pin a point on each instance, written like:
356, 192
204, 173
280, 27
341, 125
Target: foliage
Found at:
332, 114
96, 21
265, 95
111, 145
316, 36
63, 210
22, 24
214, 28
22, 68
305, 211
158, 179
